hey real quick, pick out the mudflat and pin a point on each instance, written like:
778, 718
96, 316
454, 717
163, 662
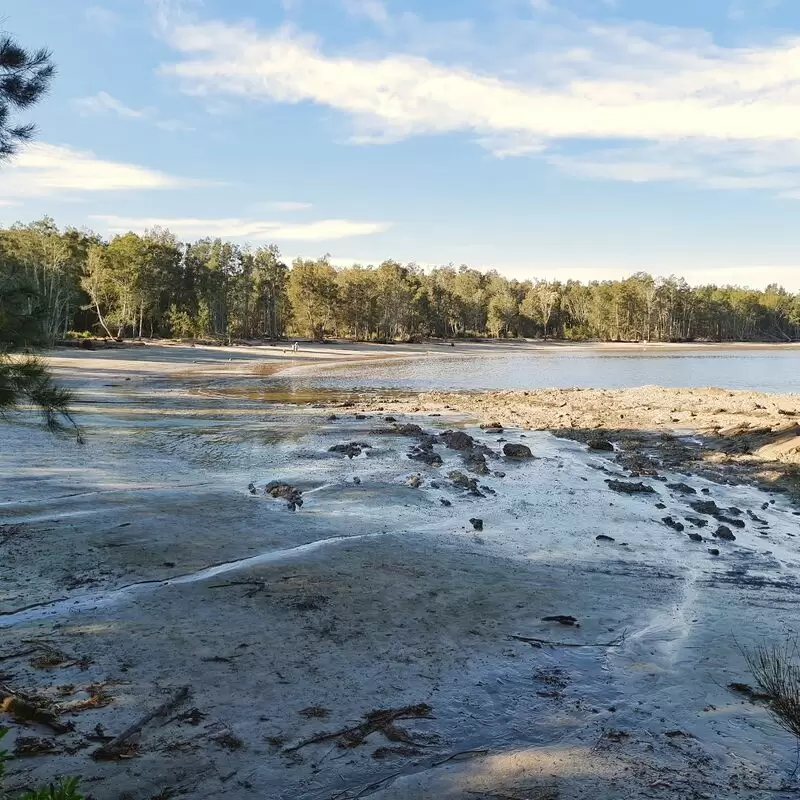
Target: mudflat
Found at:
450, 611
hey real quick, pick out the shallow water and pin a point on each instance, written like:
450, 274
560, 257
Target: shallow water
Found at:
771, 371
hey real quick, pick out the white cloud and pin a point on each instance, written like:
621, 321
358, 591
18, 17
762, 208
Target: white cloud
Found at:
102, 18
46, 169
258, 230
651, 86
103, 103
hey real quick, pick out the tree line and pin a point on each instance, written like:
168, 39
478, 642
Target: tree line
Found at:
154, 285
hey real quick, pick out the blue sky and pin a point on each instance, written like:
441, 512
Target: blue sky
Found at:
546, 138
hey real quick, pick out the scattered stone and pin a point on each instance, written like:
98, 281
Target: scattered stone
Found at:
251, 488
626, 487
435, 485
284, 491
756, 518
351, 449
492, 426
461, 481
683, 488
457, 440
725, 533
737, 512
737, 523
603, 538
445, 502
671, 523
660, 506
600, 444
695, 537
705, 491
476, 462
713, 551
409, 429
360, 416
415, 481
169, 564
356, 480
389, 419
511, 450
426, 456
498, 474
698, 522
705, 507
332, 418
562, 619
477, 523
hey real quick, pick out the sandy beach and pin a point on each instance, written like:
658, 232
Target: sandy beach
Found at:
389, 637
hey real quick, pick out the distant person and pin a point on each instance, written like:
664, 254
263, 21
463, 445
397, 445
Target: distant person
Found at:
295, 346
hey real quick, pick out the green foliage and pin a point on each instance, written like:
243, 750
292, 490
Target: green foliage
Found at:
54, 281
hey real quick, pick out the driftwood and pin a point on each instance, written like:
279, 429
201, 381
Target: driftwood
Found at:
534, 642
381, 720
116, 746
30, 708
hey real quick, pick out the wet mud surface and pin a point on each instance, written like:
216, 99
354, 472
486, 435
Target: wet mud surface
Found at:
375, 641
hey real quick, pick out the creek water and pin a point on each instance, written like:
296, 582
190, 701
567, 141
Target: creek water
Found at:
774, 370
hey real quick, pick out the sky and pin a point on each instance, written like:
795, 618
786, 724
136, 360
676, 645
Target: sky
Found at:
584, 139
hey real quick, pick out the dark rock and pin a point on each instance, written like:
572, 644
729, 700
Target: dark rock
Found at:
169, 564
660, 506
626, 487
671, 523
284, 491
498, 474
695, 537
356, 480
683, 488
461, 481
603, 538
737, 523
457, 440
698, 522
332, 418
251, 488
737, 512
562, 619
517, 451
492, 426
476, 462
713, 551
705, 507
477, 523
389, 419
360, 416
600, 444
705, 491
351, 449
756, 518
409, 429
725, 533
445, 502
426, 456
435, 485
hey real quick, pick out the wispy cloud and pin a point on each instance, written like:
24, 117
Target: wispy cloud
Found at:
289, 205
104, 104
631, 86
102, 18
47, 169
254, 230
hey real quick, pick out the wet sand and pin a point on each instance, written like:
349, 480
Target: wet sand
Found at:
142, 560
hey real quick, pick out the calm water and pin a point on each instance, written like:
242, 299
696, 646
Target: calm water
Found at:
772, 371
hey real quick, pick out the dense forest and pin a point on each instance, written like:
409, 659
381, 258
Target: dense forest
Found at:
154, 285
